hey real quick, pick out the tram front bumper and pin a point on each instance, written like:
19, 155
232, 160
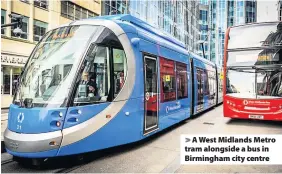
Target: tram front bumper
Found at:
32, 143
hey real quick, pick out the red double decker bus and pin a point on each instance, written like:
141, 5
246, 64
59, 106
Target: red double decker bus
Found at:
253, 71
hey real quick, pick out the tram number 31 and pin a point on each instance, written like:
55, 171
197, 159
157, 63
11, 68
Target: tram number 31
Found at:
19, 127
20, 119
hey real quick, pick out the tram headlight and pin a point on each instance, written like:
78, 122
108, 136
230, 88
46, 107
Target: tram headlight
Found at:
52, 143
58, 124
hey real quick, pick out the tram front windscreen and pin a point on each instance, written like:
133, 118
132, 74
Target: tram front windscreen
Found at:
51, 67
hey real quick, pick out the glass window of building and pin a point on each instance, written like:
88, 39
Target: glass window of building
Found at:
3, 20
112, 7
67, 9
39, 29
24, 28
203, 15
41, 3
84, 13
9, 76
75, 12
78, 13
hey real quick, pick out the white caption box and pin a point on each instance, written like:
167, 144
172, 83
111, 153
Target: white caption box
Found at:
231, 149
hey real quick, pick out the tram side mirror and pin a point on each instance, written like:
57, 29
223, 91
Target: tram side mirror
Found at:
28, 103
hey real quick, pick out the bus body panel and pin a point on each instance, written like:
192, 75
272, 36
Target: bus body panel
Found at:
244, 108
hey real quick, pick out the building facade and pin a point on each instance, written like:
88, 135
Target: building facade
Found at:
178, 18
38, 17
204, 29
224, 14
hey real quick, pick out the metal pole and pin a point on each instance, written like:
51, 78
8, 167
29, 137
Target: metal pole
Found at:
11, 81
203, 49
8, 25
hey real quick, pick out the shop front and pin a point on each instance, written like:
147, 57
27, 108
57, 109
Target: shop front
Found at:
11, 67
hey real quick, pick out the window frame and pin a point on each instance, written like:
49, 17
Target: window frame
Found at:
111, 92
125, 72
34, 24
27, 27
76, 10
41, 4
3, 21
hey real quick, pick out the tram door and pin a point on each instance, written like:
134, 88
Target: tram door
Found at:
151, 94
200, 88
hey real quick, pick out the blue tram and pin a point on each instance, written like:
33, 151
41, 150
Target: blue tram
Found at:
102, 82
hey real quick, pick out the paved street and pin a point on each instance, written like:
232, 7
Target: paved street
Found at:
160, 154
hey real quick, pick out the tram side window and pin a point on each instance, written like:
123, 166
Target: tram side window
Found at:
120, 69
219, 83
205, 82
212, 83
200, 86
182, 82
94, 86
168, 91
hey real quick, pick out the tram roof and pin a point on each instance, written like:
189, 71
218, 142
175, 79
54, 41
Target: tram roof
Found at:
201, 59
151, 29
142, 24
